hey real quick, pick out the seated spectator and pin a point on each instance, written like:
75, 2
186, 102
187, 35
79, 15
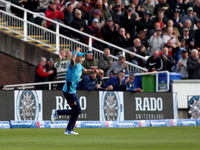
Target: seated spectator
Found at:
152, 31
96, 14
187, 38
89, 82
182, 64
113, 73
89, 62
117, 12
130, 85
119, 65
105, 61
61, 65
156, 42
101, 82
193, 65
116, 82
188, 25
142, 36
95, 30
170, 23
154, 62
148, 6
50, 66
79, 24
161, 19
54, 14
177, 20
41, 74
171, 35
167, 60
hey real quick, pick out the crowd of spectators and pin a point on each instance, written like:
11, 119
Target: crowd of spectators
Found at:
166, 31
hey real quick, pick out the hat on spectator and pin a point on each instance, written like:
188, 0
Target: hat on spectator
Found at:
147, 12
50, 59
183, 50
185, 29
52, 2
130, 8
96, 11
118, 5
113, 72
176, 10
120, 57
123, 71
190, 9
78, 54
95, 20
110, 19
89, 53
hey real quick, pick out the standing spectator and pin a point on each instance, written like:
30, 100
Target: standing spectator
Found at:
89, 61
130, 85
167, 60
79, 24
156, 42
116, 82
68, 14
95, 30
182, 64
53, 13
193, 65
41, 74
119, 65
154, 62
105, 62
61, 65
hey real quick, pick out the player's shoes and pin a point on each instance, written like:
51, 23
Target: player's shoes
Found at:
54, 115
70, 133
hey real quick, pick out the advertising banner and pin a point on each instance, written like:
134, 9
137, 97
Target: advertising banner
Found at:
89, 101
28, 105
148, 106
111, 106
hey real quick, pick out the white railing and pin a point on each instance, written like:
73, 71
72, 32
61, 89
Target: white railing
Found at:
31, 85
53, 40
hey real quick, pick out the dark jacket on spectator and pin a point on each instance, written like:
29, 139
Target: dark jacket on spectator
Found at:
157, 63
193, 68
117, 85
168, 64
104, 63
87, 83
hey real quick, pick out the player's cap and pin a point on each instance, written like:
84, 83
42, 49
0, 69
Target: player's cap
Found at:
79, 53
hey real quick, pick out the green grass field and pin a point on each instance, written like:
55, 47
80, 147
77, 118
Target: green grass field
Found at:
162, 138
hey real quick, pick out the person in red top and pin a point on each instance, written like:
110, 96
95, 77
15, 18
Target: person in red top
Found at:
41, 74
54, 14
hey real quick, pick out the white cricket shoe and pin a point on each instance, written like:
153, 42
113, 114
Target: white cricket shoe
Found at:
54, 115
70, 133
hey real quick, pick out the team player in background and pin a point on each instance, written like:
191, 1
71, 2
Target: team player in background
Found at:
72, 78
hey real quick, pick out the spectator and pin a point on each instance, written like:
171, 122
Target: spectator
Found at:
119, 65
68, 14
142, 35
116, 82
68, 54
170, 23
193, 65
74, 3
89, 82
53, 13
154, 62
86, 8
182, 64
123, 40
167, 60
110, 31
59, 4
95, 30
148, 6
186, 37
177, 19
101, 83
171, 35
79, 24
96, 14
161, 19
197, 35
105, 62
117, 13
188, 25
50, 66
152, 31
156, 42
163, 5
61, 65
89, 62
2, 87
190, 16
18, 12
41, 74
130, 85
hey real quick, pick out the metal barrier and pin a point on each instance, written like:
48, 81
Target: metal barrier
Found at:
42, 36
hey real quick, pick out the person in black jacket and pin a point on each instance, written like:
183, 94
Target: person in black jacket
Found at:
193, 65
79, 24
154, 62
